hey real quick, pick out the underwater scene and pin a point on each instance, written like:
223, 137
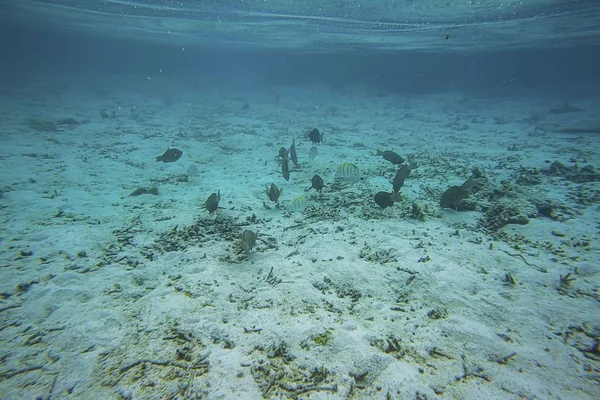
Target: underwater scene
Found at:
268, 199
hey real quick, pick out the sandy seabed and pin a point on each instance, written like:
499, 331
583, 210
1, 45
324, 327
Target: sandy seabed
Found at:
107, 295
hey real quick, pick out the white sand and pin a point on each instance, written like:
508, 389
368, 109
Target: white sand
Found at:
114, 322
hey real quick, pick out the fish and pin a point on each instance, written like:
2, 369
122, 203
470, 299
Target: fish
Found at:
390, 156
349, 172
312, 153
469, 183
285, 168
274, 192
315, 136
105, 114
385, 199
248, 240
293, 155
298, 204
401, 175
317, 183
145, 190
283, 152
170, 155
192, 170
452, 197
212, 203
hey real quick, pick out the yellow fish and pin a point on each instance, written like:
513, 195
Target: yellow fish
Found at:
349, 172
298, 204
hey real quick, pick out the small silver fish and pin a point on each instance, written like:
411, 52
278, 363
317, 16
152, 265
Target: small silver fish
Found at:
313, 152
248, 240
192, 170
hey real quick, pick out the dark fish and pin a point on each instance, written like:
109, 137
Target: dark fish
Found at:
385, 199
317, 183
283, 152
285, 168
401, 175
274, 192
392, 157
145, 190
170, 155
212, 203
469, 183
315, 136
248, 240
293, 154
452, 197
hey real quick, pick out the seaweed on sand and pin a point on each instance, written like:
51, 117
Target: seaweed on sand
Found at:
48, 125
41, 125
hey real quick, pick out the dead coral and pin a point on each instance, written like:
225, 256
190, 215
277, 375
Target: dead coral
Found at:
172, 371
46, 125
574, 173
209, 229
501, 214
280, 377
203, 230
323, 213
586, 339
527, 176
390, 345
564, 108
379, 256
554, 210
171, 179
585, 195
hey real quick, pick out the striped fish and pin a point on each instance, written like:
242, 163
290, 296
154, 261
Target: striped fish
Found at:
349, 172
298, 204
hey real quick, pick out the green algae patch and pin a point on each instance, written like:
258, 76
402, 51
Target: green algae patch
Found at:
323, 339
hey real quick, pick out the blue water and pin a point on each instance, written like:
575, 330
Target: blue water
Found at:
109, 293
419, 47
